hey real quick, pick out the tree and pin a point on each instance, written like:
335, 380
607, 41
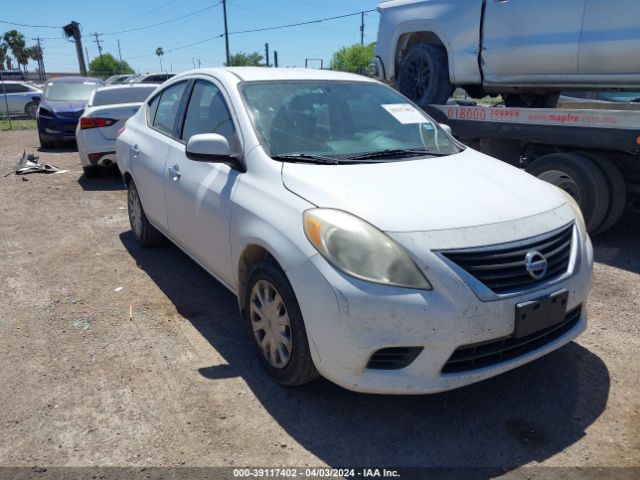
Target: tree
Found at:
15, 41
354, 59
242, 59
160, 53
3, 54
106, 65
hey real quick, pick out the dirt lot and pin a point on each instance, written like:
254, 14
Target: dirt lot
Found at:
82, 384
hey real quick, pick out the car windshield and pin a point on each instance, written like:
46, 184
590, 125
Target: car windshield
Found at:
340, 120
114, 96
69, 91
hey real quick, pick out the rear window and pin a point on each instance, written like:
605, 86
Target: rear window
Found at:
121, 95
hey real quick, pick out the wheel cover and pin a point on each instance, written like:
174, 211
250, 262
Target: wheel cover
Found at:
415, 80
562, 180
31, 110
270, 323
135, 212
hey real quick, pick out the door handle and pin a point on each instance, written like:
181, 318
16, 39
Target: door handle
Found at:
135, 151
175, 172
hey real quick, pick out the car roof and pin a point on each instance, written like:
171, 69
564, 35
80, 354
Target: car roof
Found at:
267, 74
121, 86
74, 80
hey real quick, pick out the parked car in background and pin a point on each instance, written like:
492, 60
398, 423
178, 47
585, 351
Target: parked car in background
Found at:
600, 100
150, 78
60, 108
16, 75
363, 241
114, 79
21, 98
106, 112
527, 51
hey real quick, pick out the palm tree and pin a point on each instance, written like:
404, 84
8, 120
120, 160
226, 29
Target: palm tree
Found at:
15, 41
160, 52
3, 54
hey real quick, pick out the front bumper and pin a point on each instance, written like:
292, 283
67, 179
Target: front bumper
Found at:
56, 129
348, 320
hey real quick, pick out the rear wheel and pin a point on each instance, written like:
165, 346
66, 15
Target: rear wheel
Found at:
424, 75
581, 178
30, 109
531, 100
146, 234
276, 326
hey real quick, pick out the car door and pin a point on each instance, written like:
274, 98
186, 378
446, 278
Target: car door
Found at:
150, 148
15, 98
611, 38
198, 193
531, 40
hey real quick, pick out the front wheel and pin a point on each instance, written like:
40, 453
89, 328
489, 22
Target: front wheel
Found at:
30, 109
146, 234
276, 326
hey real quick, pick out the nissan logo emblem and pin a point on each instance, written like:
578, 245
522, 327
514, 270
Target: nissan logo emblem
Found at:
536, 264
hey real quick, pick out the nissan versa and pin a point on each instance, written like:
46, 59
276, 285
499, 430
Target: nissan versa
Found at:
363, 242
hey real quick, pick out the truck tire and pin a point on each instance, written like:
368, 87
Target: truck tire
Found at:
617, 191
579, 176
423, 76
530, 100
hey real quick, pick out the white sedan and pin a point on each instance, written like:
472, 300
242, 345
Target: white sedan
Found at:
107, 111
363, 242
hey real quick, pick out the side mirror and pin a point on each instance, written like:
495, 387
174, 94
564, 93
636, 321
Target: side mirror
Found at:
209, 147
446, 128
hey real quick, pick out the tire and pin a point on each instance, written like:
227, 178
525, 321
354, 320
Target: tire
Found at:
91, 172
31, 109
530, 100
296, 366
581, 178
617, 191
424, 75
146, 234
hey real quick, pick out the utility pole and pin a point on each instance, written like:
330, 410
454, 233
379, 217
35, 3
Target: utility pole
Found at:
361, 28
275, 58
193, 61
42, 74
73, 30
198, 63
86, 54
119, 52
97, 40
266, 54
226, 30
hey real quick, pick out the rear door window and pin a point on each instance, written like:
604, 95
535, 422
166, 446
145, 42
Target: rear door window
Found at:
168, 106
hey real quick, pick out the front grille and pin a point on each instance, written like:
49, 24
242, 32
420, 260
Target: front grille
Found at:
486, 354
502, 267
393, 358
70, 114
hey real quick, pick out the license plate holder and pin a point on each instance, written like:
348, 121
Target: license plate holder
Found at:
536, 315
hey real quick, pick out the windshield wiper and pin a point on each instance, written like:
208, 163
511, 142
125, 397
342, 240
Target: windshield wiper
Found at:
307, 158
395, 153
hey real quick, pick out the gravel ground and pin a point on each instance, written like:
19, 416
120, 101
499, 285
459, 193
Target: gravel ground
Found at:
178, 384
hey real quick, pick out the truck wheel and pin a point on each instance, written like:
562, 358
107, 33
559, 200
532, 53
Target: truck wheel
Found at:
617, 191
530, 100
581, 178
276, 326
424, 75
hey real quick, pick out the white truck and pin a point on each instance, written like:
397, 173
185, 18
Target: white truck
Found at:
525, 50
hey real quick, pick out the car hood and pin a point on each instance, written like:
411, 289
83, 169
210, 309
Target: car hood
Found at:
63, 106
462, 190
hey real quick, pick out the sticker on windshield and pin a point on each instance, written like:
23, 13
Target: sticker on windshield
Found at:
404, 113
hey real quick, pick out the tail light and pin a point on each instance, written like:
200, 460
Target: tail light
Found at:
88, 122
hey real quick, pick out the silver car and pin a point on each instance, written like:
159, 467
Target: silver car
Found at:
526, 50
21, 98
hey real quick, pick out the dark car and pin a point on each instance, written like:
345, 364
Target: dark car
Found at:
61, 106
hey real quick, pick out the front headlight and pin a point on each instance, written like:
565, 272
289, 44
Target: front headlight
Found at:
357, 248
576, 210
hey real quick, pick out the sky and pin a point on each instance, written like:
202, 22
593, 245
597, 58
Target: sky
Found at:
138, 47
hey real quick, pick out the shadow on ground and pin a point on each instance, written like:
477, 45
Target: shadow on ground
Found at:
525, 415
619, 247
108, 179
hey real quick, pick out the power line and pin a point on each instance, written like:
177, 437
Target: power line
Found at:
165, 22
25, 25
